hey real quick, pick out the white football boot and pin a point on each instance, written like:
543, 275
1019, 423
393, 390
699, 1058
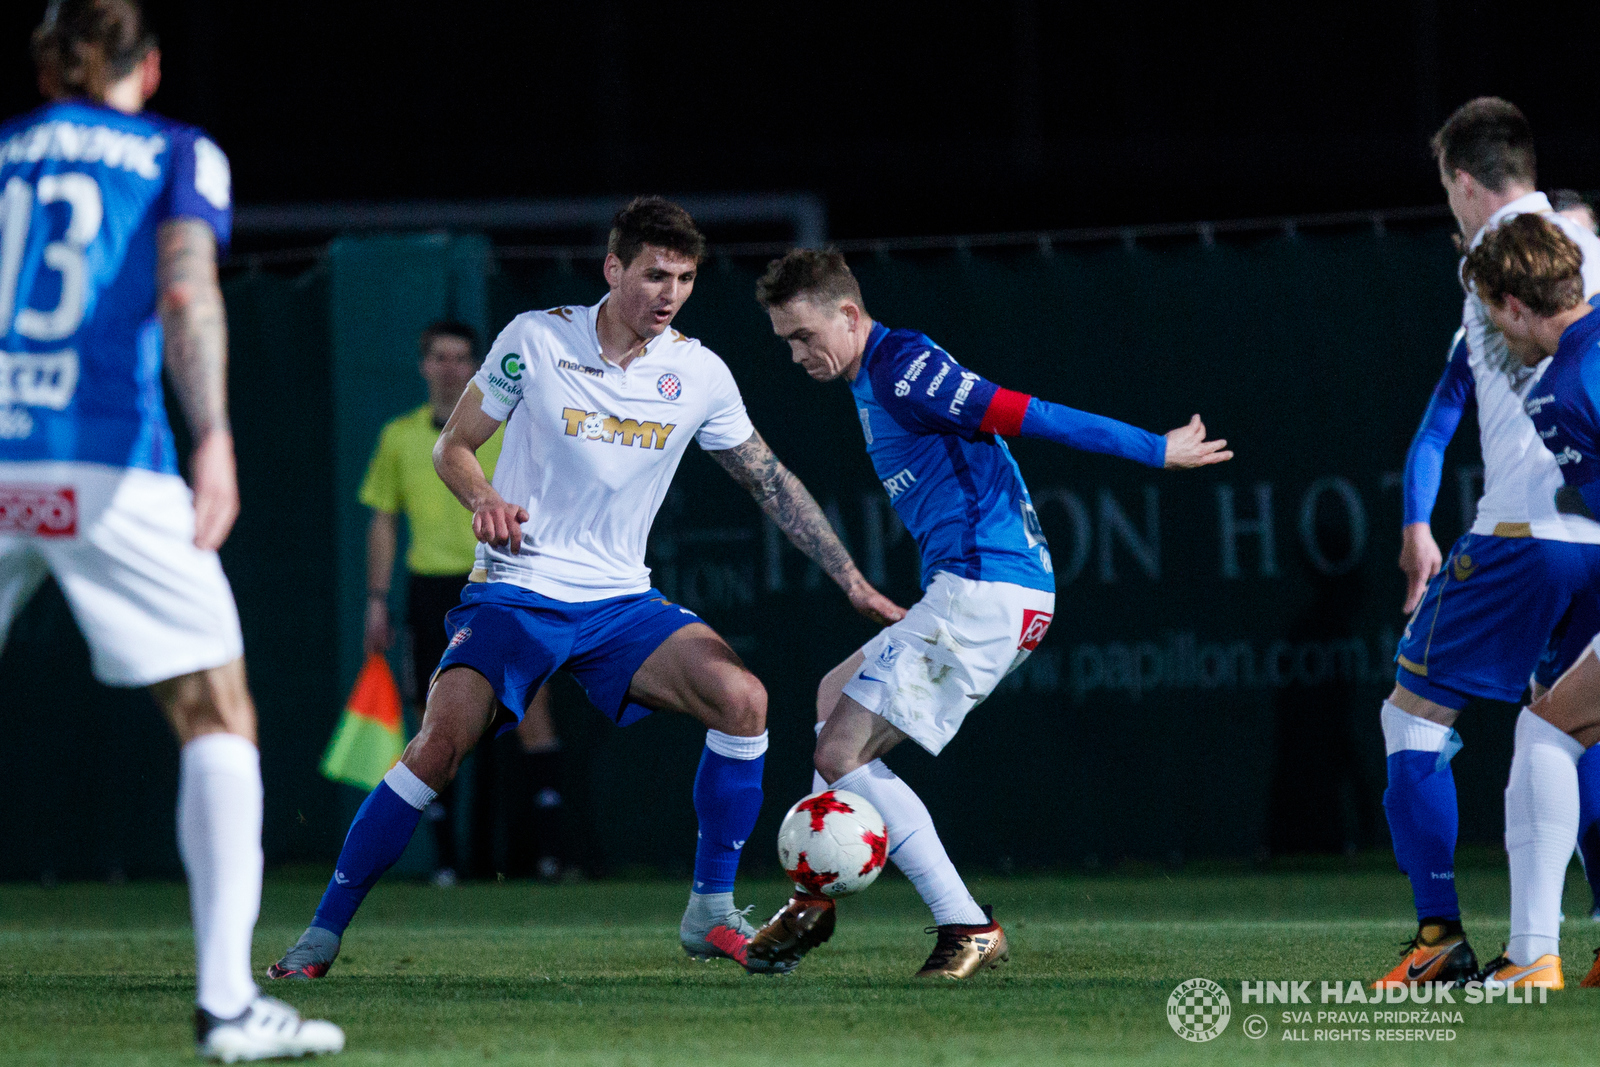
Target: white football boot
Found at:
267, 1029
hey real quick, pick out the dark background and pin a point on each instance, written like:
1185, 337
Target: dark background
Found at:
908, 119
1314, 351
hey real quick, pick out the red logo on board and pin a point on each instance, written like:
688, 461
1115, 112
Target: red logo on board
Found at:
39, 510
1034, 624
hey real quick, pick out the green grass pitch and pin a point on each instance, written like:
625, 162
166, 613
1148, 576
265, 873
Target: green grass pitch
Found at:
511, 973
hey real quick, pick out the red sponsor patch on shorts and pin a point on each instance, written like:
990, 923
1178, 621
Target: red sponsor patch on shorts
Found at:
1034, 624
38, 510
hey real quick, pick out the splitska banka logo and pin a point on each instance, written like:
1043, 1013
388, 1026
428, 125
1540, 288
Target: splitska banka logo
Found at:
598, 426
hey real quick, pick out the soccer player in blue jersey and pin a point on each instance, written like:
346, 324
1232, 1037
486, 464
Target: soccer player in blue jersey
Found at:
934, 432
110, 226
1513, 585
1529, 275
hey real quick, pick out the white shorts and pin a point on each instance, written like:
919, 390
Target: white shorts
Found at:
120, 543
925, 672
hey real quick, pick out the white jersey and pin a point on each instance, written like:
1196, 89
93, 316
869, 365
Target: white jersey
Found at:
1520, 476
590, 447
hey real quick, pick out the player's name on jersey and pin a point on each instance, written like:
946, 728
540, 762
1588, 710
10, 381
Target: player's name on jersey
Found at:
74, 143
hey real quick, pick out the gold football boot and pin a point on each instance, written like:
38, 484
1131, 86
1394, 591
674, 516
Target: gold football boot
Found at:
960, 951
1592, 979
800, 926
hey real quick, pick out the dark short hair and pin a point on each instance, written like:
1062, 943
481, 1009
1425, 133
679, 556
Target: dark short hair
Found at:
654, 220
1491, 140
448, 328
1527, 257
83, 46
1565, 199
818, 275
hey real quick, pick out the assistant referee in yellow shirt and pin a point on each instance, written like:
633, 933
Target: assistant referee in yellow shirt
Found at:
401, 481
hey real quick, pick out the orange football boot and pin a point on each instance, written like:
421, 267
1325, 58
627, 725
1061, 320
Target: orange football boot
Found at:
1439, 953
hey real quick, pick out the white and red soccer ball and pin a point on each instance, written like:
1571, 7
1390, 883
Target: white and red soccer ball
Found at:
833, 843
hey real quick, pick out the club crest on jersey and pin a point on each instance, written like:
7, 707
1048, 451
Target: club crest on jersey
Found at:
887, 655
599, 426
669, 386
39, 510
1034, 625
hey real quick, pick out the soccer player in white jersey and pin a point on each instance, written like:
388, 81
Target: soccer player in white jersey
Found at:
600, 404
1511, 598
935, 432
112, 219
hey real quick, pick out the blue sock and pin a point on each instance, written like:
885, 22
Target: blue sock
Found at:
727, 799
379, 834
1421, 805
1589, 817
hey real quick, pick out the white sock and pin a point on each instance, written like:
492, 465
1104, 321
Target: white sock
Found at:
819, 783
1541, 829
219, 838
1405, 732
914, 844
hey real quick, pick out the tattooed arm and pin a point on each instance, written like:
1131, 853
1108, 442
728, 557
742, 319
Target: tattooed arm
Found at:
196, 352
792, 509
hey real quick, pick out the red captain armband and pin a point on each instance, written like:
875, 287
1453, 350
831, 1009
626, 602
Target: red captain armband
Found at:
1004, 415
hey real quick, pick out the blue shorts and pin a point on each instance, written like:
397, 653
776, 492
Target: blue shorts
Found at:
1489, 614
1572, 635
517, 639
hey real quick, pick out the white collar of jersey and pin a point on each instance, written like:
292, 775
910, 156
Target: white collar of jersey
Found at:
1522, 205
594, 336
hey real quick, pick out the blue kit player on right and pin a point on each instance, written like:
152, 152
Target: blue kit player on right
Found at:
1528, 274
934, 432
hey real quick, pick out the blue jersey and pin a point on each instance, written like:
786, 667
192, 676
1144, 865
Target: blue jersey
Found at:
85, 189
1565, 408
956, 489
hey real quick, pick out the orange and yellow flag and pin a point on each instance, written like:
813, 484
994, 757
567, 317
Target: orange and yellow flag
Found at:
370, 738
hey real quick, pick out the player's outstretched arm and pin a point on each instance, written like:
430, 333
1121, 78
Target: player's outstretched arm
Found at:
1420, 558
1187, 447
195, 330
793, 510
455, 457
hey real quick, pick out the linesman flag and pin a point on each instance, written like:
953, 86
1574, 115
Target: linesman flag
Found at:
369, 739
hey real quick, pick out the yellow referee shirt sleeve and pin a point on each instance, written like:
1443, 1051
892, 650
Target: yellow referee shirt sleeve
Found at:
381, 488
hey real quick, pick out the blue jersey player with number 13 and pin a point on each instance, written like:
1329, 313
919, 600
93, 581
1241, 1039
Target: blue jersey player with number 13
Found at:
934, 431
111, 221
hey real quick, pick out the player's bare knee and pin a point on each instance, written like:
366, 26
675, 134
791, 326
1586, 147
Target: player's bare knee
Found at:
211, 701
742, 705
435, 758
833, 760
